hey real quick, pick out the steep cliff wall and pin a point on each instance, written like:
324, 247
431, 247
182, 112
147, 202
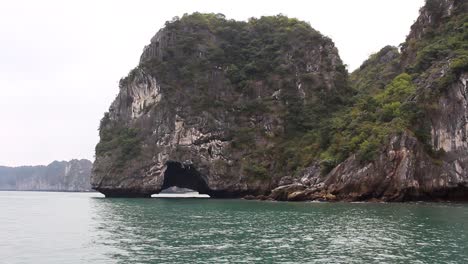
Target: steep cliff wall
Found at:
377, 72
71, 175
264, 109
427, 157
212, 105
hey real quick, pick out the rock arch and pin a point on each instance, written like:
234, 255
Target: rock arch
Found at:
184, 176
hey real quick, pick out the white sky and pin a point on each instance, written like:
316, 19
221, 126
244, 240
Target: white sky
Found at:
60, 61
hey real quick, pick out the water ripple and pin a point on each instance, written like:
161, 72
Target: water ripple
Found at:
232, 231
77, 228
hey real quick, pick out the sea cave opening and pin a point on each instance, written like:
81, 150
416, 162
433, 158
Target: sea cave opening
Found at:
181, 180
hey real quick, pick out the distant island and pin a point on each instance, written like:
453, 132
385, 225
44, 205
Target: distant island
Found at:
72, 176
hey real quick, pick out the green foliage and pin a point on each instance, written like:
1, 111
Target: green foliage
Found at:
256, 171
243, 138
361, 128
381, 110
459, 64
125, 140
368, 149
244, 50
441, 84
398, 90
327, 162
367, 125
428, 54
104, 121
390, 111
447, 39
377, 71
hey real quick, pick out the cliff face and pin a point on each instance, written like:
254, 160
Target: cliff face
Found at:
428, 158
264, 108
211, 106
71, 175
377, 71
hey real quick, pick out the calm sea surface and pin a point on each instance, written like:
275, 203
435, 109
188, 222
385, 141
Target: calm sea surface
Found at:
41, 227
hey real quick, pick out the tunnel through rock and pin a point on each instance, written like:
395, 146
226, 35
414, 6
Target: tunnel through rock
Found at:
184, 176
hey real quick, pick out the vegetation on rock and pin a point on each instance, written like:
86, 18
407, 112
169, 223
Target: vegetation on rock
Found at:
253, 102
269, 52
125, 140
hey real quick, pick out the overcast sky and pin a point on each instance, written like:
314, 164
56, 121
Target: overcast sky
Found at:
60, 61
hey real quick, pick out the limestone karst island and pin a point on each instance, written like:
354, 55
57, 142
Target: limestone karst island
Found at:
266, 109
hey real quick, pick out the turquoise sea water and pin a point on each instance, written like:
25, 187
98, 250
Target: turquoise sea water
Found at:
41, 227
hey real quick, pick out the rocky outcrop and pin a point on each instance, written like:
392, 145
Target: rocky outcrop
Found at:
246, 109
377, 71
409, 168
71, 175
431, 16
200, 109
402, 172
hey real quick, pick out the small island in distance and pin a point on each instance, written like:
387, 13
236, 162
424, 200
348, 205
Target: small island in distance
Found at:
63, 176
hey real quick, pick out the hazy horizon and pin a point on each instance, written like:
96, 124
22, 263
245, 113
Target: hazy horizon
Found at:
61, 62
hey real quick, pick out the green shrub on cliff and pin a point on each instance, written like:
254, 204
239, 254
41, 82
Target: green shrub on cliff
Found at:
362, 128
377, 71
256, 171
447, 38
459, 64
124, 140
375, 119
